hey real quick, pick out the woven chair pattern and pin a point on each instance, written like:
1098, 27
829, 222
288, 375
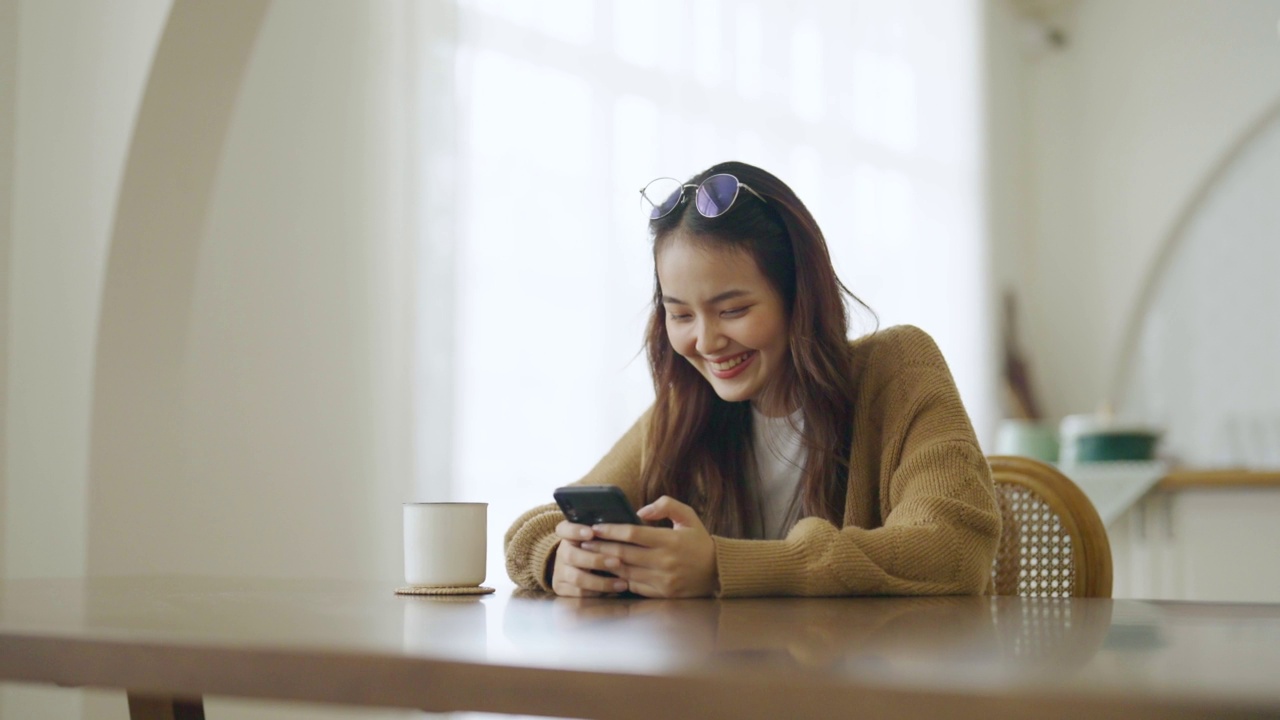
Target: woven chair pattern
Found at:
1053, 543
1035, 555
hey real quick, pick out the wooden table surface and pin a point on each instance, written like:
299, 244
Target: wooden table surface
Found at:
170, 641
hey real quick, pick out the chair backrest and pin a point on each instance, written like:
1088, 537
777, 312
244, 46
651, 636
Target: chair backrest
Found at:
1053, 543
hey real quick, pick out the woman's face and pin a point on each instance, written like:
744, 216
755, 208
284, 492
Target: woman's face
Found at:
726, 319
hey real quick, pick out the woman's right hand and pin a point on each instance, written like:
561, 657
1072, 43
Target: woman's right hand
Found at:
572, 576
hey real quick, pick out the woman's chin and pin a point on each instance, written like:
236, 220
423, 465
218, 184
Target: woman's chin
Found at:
732, 394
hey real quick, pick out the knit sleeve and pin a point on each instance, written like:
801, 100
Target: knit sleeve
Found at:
942, 523
530, 544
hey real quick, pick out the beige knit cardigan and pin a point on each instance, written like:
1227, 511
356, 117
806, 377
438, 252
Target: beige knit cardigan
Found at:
920, 512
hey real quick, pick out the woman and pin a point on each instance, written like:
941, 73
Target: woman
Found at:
778, 458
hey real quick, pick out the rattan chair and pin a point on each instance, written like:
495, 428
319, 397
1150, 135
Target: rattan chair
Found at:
1053, 543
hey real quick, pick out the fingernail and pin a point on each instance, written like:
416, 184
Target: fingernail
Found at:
589, 546
612, 562
620, 586
584, 532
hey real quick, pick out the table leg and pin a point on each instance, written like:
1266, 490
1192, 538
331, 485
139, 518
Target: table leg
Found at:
162, 707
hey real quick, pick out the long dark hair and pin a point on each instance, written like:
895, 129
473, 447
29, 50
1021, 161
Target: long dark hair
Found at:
698, 448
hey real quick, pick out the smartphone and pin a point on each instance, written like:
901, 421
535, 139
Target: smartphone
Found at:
594, 504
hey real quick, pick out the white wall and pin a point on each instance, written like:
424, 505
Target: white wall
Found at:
8, 81
1122, 124
81, 70
1005, 120
78, 72
294, 360
281, 449
295, 407
274, 315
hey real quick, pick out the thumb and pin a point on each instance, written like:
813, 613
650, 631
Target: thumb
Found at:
668, 508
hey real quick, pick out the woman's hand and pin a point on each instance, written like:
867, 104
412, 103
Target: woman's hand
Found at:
676, 562
572, 576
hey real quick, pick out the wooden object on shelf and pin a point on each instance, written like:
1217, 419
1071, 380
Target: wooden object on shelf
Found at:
1015, 372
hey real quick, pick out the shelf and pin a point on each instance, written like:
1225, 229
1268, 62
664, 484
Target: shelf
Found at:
1114, 487
1235, 478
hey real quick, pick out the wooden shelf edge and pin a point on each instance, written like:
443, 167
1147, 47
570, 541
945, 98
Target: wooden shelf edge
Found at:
1225, 478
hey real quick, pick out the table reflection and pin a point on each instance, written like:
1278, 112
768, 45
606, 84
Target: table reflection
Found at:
430, 619
357, 642
972, 638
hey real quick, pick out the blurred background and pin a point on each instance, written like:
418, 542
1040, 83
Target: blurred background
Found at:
269, 268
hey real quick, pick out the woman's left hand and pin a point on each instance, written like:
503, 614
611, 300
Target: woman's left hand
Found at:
675, 562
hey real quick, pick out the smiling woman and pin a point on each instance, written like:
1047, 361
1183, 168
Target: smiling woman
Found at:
778, 458
535, 272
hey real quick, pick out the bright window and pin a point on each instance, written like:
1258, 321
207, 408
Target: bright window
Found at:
869, 110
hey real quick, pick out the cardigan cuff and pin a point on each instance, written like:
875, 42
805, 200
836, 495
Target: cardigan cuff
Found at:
759, 567
529, 544
542, 552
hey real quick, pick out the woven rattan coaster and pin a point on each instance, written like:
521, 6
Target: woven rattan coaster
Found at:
420, 590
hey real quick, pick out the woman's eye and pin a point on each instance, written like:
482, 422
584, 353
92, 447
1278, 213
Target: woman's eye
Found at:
735, 312
678, 317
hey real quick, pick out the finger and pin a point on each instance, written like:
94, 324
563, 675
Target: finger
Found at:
560, 584
565, 589
587, 559
654, 583
631, 574
623, 553
668, 508
644, 589
644, 576
590, 581
573, 531
634, 534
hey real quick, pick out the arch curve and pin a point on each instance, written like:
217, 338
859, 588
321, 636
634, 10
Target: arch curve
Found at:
147, 292
1173, 241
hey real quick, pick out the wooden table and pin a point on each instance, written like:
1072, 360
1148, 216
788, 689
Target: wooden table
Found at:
170, 641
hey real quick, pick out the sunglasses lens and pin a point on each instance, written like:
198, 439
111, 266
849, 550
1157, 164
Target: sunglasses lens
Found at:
716, 194
662, 195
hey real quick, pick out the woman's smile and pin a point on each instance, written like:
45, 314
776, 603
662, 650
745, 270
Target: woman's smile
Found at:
733, 366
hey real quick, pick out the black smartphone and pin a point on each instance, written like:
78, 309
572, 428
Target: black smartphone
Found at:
593, 504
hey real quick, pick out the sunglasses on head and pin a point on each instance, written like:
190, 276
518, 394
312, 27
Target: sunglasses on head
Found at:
712, 197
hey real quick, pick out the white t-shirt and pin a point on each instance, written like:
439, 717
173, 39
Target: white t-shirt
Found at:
780, 457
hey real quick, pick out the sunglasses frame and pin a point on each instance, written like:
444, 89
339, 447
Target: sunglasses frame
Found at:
699, 188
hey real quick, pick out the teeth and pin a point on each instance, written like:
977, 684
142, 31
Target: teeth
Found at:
730, 364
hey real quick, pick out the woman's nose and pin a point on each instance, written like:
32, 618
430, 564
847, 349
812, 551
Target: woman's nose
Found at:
709, 339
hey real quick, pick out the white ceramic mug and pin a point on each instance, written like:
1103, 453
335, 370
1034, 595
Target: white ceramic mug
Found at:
444, 544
